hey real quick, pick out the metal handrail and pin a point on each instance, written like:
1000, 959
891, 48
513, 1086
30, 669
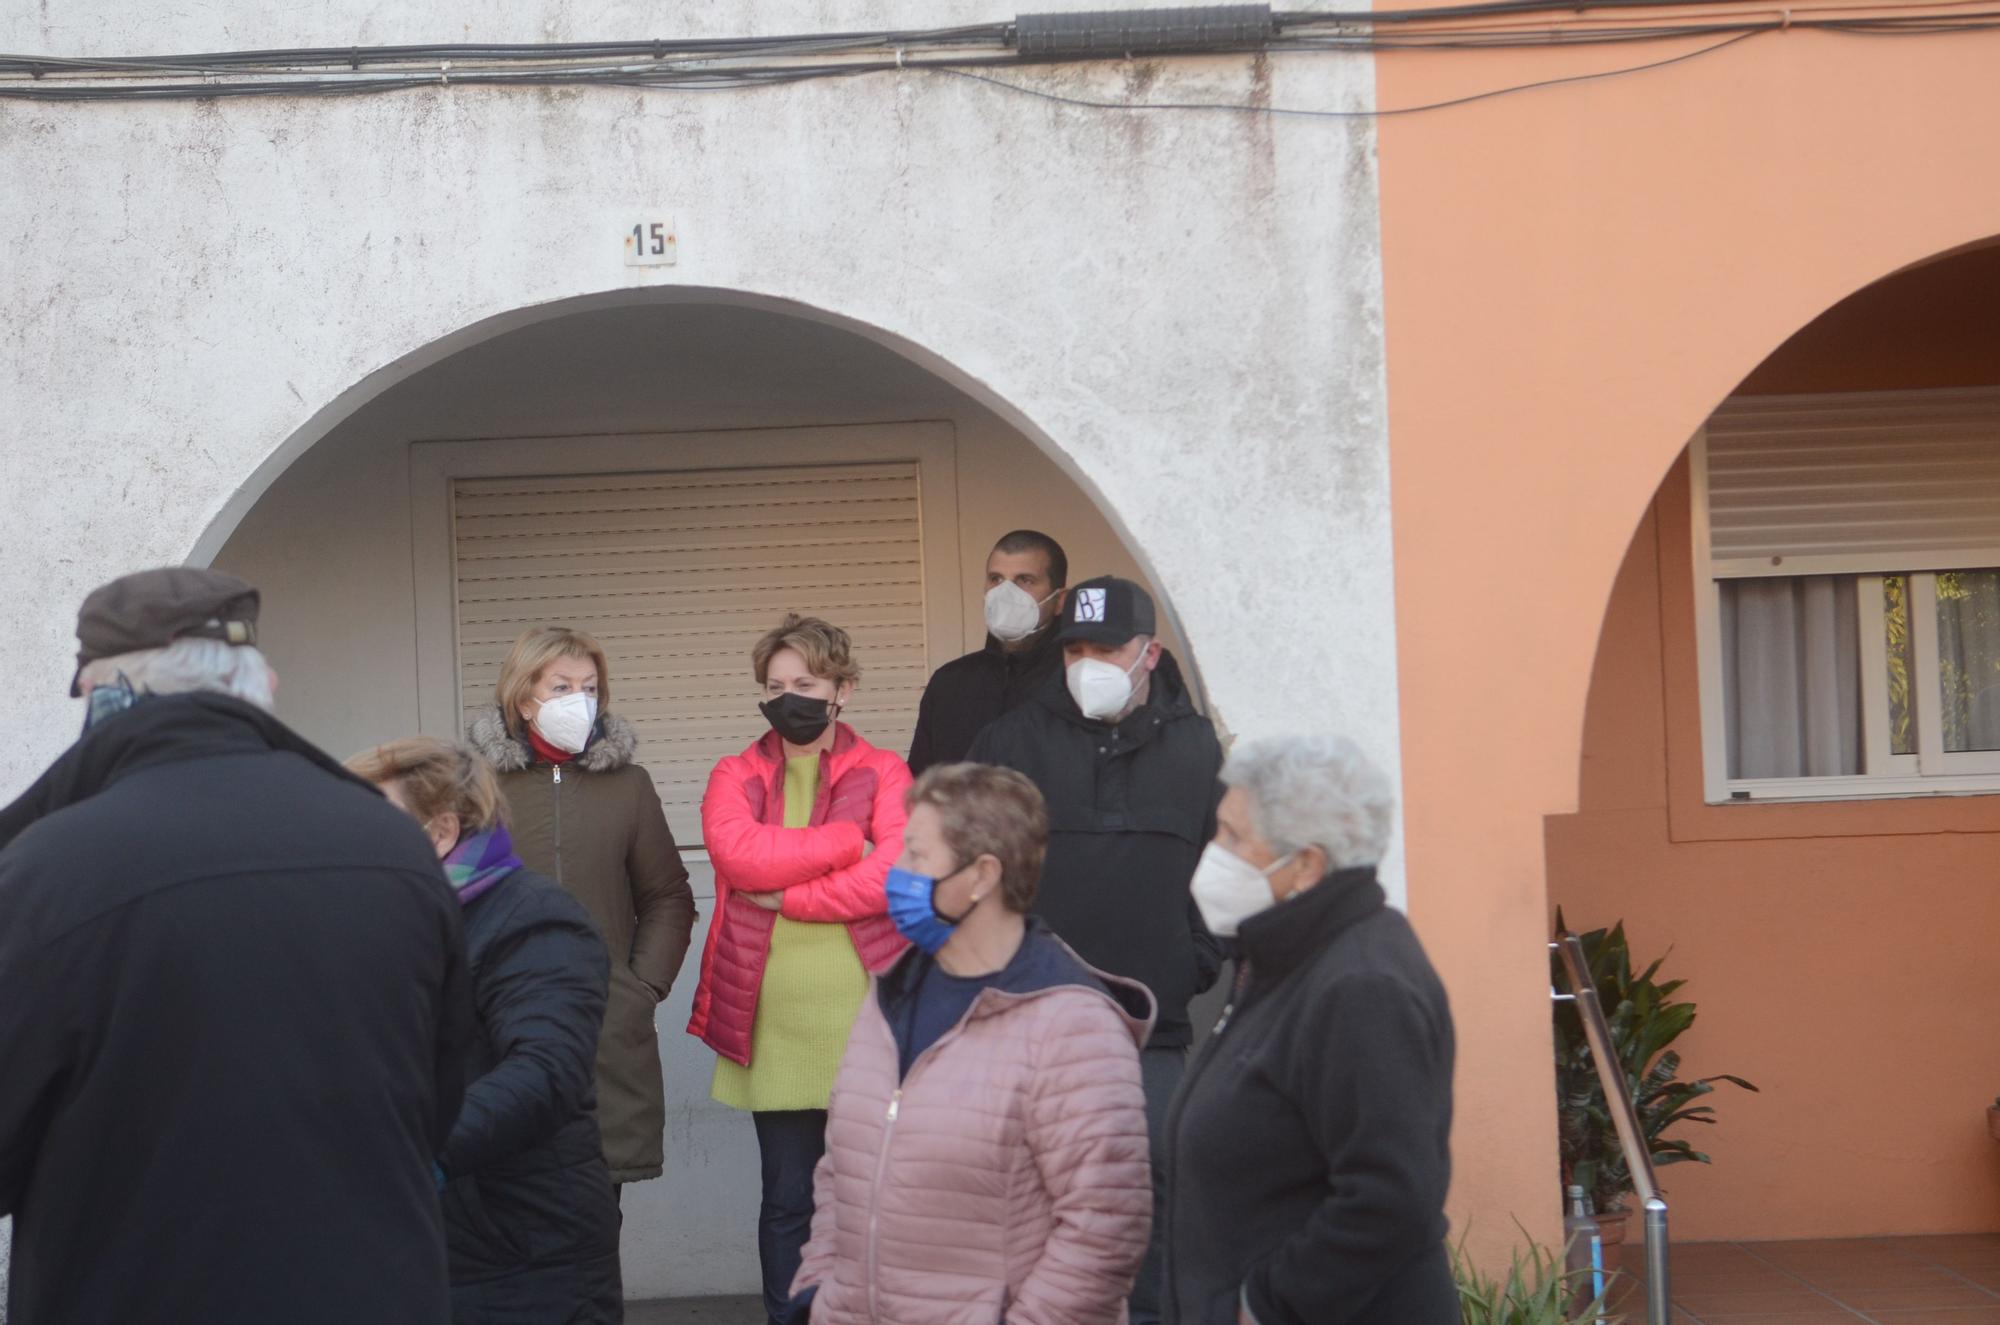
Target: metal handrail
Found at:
1625, 1117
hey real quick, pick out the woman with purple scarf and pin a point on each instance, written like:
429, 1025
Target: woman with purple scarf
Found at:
531, 1218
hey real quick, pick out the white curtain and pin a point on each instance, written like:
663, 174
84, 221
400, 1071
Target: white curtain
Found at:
1791, 683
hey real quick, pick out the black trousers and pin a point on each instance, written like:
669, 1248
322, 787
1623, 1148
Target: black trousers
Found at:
1160, 1073
790, 1144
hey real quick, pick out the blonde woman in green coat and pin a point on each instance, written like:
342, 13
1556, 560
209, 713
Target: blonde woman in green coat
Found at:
587, 816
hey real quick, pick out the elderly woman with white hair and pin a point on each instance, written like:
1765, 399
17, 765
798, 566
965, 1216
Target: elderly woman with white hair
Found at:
1308, 1148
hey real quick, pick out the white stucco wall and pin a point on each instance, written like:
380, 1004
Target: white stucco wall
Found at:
1182, 309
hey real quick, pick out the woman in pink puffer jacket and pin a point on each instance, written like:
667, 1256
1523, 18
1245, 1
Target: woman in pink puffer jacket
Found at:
986, 1149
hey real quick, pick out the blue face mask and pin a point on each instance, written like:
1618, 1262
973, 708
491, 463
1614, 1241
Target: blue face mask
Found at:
913, 906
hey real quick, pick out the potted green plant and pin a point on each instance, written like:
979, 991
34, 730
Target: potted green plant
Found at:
1644, 1019
1536, 1290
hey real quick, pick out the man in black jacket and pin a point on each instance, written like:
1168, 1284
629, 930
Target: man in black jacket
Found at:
1025, 575
1128, 769
234, 1008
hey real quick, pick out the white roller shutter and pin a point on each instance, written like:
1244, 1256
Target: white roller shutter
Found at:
1882, 481
677, 574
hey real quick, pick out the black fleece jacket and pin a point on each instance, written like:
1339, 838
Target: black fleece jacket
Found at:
1308, 1150
967, 693
1131, 805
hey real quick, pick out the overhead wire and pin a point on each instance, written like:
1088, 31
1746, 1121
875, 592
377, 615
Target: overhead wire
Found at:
731, 63
1364, 114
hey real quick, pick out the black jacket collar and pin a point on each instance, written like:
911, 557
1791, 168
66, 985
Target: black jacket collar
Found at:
1042, 646
160, 729
1290, 934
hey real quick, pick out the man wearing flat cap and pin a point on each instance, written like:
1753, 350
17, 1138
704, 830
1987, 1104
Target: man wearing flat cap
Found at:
1129, 769
234, 1008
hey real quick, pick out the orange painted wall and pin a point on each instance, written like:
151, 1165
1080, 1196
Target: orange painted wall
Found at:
1847, 971
1573, 278
1841, 954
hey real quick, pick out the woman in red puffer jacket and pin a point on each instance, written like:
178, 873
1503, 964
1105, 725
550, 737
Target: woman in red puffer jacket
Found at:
802, 828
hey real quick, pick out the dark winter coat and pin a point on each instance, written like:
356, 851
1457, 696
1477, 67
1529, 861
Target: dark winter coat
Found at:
1130, 808
234, 1024
967, 693
596, 827
530, 1212
1308, 1150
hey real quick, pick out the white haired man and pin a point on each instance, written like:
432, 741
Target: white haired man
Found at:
1308, 1150
234, 1007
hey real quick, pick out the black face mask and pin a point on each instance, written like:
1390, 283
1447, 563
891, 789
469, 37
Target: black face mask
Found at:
798, 718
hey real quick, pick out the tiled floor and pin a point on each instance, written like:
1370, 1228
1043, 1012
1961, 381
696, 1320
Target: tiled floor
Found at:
1891, 1281
697, 1311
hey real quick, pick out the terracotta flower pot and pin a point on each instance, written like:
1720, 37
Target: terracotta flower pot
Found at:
1993, 1121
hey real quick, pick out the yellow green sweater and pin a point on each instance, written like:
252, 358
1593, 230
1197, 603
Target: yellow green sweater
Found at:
813, 986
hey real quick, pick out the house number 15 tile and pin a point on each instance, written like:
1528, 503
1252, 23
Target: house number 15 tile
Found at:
649, 242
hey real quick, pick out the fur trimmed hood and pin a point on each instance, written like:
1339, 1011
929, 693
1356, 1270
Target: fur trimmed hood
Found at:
612, 746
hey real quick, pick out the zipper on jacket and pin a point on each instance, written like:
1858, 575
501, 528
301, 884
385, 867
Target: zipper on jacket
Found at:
1237, 986
875, 1204
894, 1110
558, 832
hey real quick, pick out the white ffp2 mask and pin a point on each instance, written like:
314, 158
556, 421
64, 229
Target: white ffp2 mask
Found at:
1011, 614
1229, 889
1101, 689
566, 721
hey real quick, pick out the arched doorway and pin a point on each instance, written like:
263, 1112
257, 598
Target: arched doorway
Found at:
1785, 782
376, 547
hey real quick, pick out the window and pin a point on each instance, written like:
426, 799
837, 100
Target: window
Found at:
1847, 559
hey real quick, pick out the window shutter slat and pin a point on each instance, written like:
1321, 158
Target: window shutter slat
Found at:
1866, 482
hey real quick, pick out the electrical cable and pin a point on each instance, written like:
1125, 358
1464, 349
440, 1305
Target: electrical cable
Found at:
1287, 21
723, 64
1353, 114
995, 34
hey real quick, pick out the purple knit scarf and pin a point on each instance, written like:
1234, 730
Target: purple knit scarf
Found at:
479, 861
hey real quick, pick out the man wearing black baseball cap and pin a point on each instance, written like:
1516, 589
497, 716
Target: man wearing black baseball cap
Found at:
1129, 770
234, 1007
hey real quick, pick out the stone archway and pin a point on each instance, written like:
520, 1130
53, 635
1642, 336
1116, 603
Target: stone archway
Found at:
329, 537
